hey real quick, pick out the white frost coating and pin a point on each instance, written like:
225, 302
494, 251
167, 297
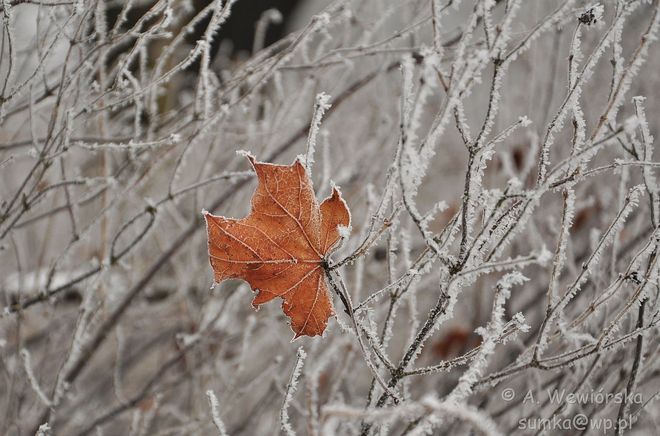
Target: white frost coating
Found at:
215, 414
588, 266
476, 419
323, 19
428, 407
344, 231
580, 135
245, 153
521, 323
220, 14
630, 125
524, 121
290, 390
79, 7
505, 29
321, 105
593, 13
34, 383
431, 85
490, 336
44, 430
627, 75
407, 69
647, 155
437, 208
560, 257
142, 113
100, 22
545, 25
577, 78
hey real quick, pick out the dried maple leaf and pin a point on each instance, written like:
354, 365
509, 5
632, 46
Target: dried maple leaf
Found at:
282, 246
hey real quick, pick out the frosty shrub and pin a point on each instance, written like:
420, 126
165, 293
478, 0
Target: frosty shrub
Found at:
501, 274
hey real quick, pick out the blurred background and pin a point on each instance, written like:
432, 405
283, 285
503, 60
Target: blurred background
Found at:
120, 122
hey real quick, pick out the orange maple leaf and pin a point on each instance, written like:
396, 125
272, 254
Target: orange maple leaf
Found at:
281, 248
